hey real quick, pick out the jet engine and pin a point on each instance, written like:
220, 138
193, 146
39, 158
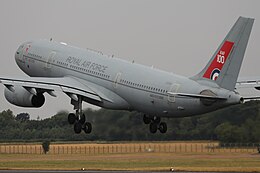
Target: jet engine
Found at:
20, 96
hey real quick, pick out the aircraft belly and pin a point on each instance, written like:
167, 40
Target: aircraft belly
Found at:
185, 107
182, 107
146, 102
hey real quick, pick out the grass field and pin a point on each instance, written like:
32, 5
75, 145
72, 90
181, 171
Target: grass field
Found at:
145, 160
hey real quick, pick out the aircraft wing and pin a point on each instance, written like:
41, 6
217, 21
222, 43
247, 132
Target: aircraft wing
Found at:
69, 85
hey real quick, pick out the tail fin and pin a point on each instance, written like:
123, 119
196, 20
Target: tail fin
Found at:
224, 66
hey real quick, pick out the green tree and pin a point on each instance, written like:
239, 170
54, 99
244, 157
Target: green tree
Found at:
238, 123
22, 117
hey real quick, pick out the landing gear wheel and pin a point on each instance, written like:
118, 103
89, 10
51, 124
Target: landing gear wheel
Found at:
72, 118
78, 119
77, 127
82, 119
153, 127
146, 119
163, 127
87, 127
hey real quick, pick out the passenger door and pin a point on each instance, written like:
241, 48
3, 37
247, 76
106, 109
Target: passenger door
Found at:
174, 89
117, 79
50, 60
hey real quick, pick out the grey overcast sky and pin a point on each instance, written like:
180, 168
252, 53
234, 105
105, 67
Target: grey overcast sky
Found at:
178, 36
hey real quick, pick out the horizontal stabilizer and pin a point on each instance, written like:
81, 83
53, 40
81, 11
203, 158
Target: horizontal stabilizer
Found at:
251, 82
251, 98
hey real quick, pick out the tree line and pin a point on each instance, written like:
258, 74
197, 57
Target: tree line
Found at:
239, 123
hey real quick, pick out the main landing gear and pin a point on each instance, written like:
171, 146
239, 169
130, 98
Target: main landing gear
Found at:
155, 124
79, 119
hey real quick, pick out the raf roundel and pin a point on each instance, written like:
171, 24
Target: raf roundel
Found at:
214, 74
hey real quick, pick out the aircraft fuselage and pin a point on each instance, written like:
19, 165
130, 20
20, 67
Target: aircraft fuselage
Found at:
132, 86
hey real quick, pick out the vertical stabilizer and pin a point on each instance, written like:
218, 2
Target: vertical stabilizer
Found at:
224, 66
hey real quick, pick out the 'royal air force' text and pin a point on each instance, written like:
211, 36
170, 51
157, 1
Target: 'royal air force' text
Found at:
86, 64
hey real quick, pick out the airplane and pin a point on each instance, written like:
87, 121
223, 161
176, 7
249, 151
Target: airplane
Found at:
90, 76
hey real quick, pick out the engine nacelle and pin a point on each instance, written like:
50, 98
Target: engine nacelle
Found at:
21, 97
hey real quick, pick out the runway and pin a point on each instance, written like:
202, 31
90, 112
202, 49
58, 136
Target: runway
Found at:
46, 171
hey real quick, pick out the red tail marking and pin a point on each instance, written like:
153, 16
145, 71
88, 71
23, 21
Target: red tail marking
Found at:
216, 65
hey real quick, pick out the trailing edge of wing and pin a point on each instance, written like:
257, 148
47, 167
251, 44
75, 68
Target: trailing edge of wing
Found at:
200, 96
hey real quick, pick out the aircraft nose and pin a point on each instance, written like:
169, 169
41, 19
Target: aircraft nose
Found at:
18, 53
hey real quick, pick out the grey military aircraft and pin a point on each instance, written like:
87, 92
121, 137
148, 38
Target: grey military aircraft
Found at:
112, 83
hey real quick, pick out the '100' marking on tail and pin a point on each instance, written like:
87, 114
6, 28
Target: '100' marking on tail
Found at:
216, 65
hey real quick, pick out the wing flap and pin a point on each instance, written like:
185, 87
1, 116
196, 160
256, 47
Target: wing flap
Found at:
78, 92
